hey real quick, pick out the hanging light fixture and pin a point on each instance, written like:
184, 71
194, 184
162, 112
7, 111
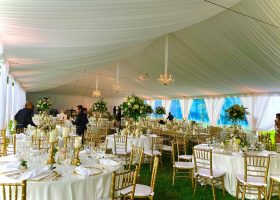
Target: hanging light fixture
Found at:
96, 93
165, 79
117, 88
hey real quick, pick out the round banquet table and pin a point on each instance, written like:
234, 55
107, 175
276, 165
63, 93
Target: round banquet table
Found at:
69, 186
142, 141
233, 164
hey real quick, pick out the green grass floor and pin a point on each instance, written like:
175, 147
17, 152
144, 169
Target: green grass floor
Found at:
182, 189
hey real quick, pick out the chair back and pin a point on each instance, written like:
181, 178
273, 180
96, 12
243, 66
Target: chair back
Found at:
173, 152
13, 190
120, 142
256, 166
203, 160
136, 157
123, 180
154, 173
181, 144
156, 144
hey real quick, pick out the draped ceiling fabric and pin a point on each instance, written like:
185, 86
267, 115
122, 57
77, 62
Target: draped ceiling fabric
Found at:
59, 46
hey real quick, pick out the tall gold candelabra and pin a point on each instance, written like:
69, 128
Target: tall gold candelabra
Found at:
51, 154
66, 141
76, 160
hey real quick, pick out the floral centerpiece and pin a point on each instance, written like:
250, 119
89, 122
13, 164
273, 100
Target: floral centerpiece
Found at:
160, 110
44, 104
236, 137
236, 113
99, 106
149, 109
134, 107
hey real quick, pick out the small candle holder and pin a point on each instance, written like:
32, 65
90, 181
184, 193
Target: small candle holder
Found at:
65, 141
76, 160
51, 154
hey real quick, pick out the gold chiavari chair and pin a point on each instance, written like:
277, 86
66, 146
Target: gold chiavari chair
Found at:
204, 171
167, 143
136, 159
123, 184
274, 183
3, 143
155, 149
183, 169
182, 148
145, 191
120, 147
11, 190
254, 178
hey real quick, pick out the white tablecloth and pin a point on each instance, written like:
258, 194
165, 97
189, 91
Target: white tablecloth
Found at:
70, 186
234, 164
142, 141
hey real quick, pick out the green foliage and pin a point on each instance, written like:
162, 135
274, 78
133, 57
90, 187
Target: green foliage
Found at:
134, 107
99, 106
44, 104
236, 113
160, 110
149, 109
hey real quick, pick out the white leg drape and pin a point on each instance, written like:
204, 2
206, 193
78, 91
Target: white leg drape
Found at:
185, 107
214, 106
3, 89
262, 111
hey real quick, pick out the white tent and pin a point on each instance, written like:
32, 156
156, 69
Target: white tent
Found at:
59, 46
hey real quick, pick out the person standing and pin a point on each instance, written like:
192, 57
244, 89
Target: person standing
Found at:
115, 111
81, 121
119, 117
170, 117
24, 116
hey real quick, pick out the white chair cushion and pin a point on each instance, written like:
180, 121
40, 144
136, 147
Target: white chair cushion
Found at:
149, 152
184, 165
275, 177
166, 148
251, 180
122, 152
206, 173
185, 157
140, 191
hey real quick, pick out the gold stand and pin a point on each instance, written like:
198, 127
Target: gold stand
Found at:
51, 156
76, 160
65, 142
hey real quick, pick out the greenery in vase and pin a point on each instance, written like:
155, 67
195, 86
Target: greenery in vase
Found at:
134, 107
44, 104
236, 113
23, 163
99, 106
149, 109
160, 110
236, 137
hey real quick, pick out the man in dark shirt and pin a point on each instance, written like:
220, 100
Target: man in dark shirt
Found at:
24, 116
170, 117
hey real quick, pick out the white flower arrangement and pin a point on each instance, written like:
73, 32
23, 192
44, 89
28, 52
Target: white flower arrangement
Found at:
44, 104
99, 106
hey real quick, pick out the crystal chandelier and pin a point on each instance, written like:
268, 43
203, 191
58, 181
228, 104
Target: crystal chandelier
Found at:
96, 93
117, 88
165, 79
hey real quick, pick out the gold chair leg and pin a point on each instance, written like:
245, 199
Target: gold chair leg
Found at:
270, 189
259, 194
237, 190
192, 177
173, 177
195, 183
265, 193
213, 189
244, 192
223, 185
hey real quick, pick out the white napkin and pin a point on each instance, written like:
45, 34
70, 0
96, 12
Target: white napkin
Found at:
86, 171
35, 173
108, 162
10, 166
20, 136
153, 135
266, 153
